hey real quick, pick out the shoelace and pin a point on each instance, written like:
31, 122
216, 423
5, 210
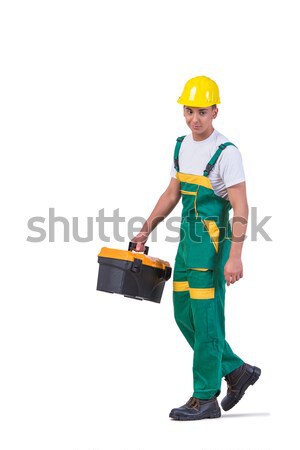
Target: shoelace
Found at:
193, 402
229, 386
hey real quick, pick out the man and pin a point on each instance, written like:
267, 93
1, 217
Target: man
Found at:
208, 174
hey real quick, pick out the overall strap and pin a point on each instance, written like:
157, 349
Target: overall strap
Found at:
214, 158
176, 151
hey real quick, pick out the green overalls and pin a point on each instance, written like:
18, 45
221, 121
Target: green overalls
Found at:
198, 280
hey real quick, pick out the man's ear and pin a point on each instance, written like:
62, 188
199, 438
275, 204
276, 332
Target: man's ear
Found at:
215, 113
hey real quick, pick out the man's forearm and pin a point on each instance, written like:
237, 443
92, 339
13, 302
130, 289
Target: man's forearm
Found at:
239, 227
161, 210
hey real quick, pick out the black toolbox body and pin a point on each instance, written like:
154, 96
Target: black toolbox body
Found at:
134, 275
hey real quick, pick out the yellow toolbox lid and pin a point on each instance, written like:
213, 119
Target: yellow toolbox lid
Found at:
127, 255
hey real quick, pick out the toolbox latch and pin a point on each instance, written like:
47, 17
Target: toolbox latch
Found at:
136, 265
167, 273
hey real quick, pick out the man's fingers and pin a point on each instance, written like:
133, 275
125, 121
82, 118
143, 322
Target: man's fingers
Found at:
239, 276
232, 278
228, 279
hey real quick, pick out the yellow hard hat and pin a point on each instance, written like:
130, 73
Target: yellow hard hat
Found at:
200, 92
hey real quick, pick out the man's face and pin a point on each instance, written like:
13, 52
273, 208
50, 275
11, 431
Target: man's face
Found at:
199, 120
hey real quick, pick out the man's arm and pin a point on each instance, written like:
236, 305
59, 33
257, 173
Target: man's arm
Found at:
233, 269
166, 203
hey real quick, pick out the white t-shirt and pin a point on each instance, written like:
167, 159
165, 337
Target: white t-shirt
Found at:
194, 156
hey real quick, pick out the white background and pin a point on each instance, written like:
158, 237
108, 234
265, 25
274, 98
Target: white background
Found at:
88, 121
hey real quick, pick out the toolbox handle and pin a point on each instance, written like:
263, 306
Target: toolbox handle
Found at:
132, 246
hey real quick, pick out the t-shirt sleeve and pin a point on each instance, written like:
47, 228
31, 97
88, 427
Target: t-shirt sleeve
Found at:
231, 166
173, 171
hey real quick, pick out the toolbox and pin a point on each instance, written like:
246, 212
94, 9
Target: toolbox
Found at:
132, 274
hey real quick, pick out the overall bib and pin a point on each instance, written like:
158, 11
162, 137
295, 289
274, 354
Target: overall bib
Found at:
198, 280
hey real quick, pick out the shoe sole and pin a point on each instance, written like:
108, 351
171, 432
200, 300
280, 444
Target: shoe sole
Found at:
251, 380
212, 415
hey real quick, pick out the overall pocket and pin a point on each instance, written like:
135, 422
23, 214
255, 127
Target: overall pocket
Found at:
200, 248
189, 199
201, 283
202, 290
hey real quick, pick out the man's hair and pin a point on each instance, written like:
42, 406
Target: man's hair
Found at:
212, 106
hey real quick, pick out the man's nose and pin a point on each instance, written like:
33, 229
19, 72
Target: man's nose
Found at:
195, 118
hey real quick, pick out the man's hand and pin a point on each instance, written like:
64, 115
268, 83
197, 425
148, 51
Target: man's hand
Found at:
233, 270
140, 240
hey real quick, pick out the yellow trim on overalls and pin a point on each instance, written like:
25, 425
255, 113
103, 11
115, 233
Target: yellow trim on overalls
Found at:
213, 231
195, 202
180, 286
201, 180
188, 192
195, 293
202, 293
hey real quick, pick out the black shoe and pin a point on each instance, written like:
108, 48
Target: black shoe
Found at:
238, 381
196, 409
